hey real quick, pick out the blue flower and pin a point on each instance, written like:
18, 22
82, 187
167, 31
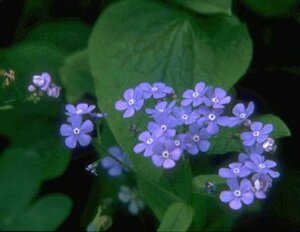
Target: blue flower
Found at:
241, 113
131, 197
218, 97
79, 109
157, 90
165, 153
261, 184
238, 194
148, 140
258, 164
235, 170
259, 134
133, 102
42, 81
195, 97
164, 125
197, 139
54, 91
162, 109
77, 131
114, 167
185, 115
211, 119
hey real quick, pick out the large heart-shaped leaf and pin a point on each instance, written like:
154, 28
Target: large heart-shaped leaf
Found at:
152, 41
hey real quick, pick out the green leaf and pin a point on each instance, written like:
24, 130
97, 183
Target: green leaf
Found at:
207, 6
76, 76
178, 217
227, 140
152, 41
280, 128
46, 214
21, 176
200, 181
271, 7
156, 196
68, 35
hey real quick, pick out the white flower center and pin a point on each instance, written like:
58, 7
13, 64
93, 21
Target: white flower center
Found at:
177, 143
163, 127
242, 115
149, 141
256, 133
236, 170
261, 166
131, 102
154, 89
237, 193
195, 94
211, 117
215, 100
165, 154
184, 116
76, 131
161, 110
257, 185
196, 138
79, 111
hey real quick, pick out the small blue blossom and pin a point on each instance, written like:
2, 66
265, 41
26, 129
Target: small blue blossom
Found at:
259, 134
218, 97
238, 194
133, 102
148, 140
112, 165
77, 131
195, 97
197, 139
162, 109
185, 115
79, 109
241, 113
235, 170
54, 91
211, 119
131, 197
165, 154
42, 81
157, 90
163, 125
179, 141
258, 164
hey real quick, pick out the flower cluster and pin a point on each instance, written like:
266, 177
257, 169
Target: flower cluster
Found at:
77, 130
43, 85
173, 128
252, 175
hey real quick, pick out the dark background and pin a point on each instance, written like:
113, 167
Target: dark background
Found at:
268, 81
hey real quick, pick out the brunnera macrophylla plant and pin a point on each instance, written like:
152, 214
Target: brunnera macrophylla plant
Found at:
178, 128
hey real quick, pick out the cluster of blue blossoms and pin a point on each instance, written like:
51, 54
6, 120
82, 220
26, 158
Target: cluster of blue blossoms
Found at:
43, 85
188, 127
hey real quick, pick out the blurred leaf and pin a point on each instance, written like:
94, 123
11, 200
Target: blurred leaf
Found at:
178, 217
76, 76
68, 35
157, 197
154, 42
227, 140
270, 7
46, 214
280, 128
207, 6
21, 176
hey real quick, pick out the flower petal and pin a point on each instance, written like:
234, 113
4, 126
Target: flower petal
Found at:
66, 130
71, 141
226, 196
235, 204
168, 163
121, 105
87, 126
84, 139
